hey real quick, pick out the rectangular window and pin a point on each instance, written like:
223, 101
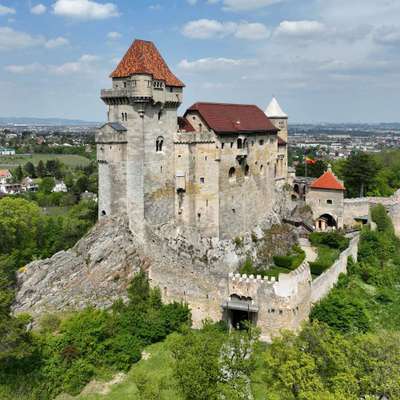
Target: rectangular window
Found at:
329, 202
201, 180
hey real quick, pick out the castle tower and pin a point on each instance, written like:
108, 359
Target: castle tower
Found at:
279, 118
326, 199
135, 148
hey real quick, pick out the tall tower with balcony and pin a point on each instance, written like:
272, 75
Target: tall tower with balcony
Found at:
135, 148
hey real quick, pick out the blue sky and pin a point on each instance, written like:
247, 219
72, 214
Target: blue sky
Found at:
325, 60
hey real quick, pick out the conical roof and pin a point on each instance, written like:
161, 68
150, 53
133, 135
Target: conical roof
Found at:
144, 58
274, 110
327, 181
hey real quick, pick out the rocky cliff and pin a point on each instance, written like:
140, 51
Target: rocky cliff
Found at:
95, 271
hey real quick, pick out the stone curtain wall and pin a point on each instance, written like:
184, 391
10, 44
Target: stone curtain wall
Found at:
285, 303
321, 286
360, 207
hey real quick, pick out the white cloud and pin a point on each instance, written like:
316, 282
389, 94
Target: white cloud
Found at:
24, 69
213, 64
11, 39
38, 9
252, 31
387, 35
113, 35
85, 9
6, 10
300, 28
57, 42
245, 5
210, 28
84, 64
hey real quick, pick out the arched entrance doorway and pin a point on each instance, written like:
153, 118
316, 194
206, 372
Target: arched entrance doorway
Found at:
326, 222
240, 310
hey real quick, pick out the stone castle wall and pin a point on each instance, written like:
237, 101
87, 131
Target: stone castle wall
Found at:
360, 207
321, 286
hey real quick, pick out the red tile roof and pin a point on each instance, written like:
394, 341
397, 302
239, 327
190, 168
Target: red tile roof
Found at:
4, 173
144, 58
233, 118
185, 125
327, 181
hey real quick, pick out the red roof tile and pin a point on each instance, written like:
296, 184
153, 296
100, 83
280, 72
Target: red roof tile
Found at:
327, 181
144, 58
4, 173
185, 125
233, 118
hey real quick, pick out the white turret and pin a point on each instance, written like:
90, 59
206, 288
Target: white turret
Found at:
278, 117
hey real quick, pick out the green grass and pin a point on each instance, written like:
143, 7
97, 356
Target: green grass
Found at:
153, 377
71, 160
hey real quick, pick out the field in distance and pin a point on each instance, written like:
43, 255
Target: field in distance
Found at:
71, 160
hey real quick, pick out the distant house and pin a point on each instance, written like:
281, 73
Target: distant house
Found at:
28, 185
60, 187
5, 151
5, 176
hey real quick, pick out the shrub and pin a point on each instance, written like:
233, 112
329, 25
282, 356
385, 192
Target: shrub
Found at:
343, 311
382, 220
283, 261
334, 240
317, 268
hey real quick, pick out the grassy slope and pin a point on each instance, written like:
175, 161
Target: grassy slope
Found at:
154, 373
155, 379
71, 160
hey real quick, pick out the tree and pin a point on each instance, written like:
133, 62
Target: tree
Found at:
46, 185
81, 185
53, 168
18, 174
41, 169
359, 172
30, 169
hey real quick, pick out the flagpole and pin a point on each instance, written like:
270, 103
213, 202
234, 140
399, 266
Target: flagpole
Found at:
305, 166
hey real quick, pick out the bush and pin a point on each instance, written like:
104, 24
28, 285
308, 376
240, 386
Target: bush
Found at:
283, 261
334, 240
317, 268
382, 220
343, 311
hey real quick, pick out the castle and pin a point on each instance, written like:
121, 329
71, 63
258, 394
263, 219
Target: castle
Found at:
213, 170
188, 199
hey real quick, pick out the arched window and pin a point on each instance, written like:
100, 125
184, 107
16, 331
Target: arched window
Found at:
123, 116
239, 143
159, 115
126, 116
159, 144
246, 170
244, 143
262, 169
232, 172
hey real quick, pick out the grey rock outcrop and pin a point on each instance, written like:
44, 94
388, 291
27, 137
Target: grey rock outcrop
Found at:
96, 271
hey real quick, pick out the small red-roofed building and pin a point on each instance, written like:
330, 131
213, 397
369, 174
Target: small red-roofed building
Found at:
326, 199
